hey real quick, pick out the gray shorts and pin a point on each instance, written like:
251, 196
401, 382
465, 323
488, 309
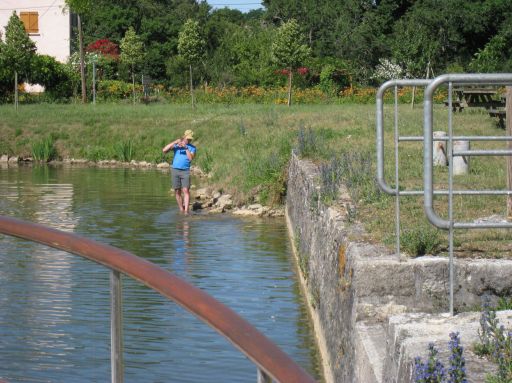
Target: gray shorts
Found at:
180, 178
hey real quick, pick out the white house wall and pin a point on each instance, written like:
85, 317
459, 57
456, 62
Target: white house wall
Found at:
54, 24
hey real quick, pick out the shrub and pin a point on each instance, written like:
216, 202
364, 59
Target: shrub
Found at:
326, 81
388, 69
420, 241
114, 90
266, 171
104, 47
57, 78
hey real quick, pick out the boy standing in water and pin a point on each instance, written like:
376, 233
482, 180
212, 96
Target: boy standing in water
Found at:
184, 152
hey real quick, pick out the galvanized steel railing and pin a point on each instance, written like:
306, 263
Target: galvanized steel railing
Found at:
500, 79
272, 363
496, 79
381, 181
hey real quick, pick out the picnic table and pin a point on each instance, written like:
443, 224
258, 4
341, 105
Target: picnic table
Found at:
469, 97
475, 97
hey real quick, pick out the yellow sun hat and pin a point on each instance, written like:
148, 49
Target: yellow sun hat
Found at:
189, 134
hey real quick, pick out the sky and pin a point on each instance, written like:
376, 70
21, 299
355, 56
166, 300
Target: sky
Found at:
242, 5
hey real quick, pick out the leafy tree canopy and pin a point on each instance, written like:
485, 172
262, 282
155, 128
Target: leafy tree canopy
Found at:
18, 49
191, 44
287, 47
132, 48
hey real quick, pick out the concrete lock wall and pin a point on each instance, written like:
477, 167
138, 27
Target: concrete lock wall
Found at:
373, 313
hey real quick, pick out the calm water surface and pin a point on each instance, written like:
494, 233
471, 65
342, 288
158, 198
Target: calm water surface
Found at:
54, 307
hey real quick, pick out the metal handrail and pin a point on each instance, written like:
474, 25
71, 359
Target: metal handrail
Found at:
269, 358
496, 79
466, 79
385, 187
380, 146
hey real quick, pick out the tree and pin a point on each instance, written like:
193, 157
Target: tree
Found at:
242, 57
191, 46
496, 56
435, 34
288, 50
132, 53
157, 22
17, 51
81, 7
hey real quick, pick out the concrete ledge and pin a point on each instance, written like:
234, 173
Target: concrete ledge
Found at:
370, 352
357, 291
408, 337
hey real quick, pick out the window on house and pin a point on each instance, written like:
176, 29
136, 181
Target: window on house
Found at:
30, 21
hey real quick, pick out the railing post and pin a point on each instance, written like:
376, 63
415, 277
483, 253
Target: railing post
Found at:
508, 118
116, 327
263, 377
450, 194
397, 179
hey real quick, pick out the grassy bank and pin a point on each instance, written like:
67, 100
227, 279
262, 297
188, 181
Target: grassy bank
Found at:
246, 149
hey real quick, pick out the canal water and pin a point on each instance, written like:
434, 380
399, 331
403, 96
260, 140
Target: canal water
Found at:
54, 306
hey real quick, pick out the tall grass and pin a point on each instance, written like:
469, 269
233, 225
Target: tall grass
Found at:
124, 151
354, 170
308, 142
44, 149
205, 161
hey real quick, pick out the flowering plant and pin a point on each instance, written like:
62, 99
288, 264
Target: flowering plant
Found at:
433, 371
303, 70
105, 47
388, 69
282, 72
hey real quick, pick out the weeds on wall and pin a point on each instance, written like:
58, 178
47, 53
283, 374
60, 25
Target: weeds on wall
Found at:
420, 240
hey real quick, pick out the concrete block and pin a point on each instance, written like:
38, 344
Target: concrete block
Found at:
409, 335
370, 352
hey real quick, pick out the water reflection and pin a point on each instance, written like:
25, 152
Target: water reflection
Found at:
54, 307
182, 246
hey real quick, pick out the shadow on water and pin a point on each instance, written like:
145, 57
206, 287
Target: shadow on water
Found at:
54, 307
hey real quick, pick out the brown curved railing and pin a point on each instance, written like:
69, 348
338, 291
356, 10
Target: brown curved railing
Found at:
269, 358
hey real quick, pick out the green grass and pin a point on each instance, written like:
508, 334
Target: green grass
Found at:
44, 149
246, 148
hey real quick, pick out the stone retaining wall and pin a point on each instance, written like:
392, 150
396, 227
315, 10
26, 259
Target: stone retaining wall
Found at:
355, 289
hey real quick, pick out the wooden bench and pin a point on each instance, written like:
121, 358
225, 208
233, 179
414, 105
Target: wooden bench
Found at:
500, 115
456, 105
475, 97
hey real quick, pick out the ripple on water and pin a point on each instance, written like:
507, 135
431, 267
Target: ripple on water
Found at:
54, 307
